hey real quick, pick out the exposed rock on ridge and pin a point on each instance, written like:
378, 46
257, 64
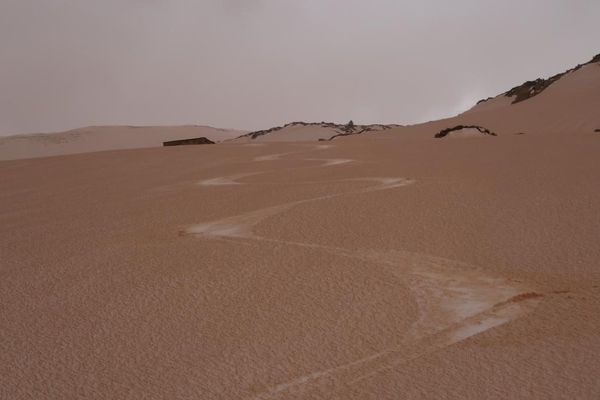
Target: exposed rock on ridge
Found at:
342, 130
447, 131
530, 89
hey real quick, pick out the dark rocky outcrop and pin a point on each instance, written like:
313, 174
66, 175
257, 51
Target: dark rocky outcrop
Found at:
359, 131
484, 100
363, 129
531, 89
597, 130
343, 130
183, 142
255, 134
447, 131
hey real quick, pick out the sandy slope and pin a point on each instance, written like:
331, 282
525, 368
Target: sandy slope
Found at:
383, 266
100, 138
569, 105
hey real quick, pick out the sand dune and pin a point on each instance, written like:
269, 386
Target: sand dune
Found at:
101, 138
569, 105
379, 266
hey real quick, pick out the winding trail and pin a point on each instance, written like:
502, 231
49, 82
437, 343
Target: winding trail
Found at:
456, 300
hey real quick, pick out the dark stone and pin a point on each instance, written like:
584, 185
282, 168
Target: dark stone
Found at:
183, 142
447, 131
597, 130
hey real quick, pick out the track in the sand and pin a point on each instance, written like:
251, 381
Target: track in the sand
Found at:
455, 300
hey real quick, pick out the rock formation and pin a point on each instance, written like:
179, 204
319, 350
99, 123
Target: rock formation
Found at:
182, 142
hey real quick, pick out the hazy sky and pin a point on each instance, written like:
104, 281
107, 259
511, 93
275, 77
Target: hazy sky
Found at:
253, 64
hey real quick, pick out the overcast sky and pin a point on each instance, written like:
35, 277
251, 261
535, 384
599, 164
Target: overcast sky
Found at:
252, 64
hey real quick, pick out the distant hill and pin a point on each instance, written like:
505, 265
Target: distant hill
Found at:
99, 138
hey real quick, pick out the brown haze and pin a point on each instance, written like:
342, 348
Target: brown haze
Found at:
253, 64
